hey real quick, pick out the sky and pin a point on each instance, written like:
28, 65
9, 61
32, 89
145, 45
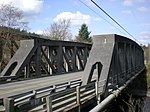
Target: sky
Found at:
133, 15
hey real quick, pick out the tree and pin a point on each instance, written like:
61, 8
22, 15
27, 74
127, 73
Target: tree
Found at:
12, 17
146, 53
59, 30
11, 20
83, 35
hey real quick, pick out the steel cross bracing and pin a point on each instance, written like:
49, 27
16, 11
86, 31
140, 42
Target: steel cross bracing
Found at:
41, 57
113, 62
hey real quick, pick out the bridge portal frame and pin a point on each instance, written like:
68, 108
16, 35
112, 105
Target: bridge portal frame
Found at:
120, 59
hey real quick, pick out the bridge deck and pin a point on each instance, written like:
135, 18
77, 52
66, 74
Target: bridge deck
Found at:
15, 88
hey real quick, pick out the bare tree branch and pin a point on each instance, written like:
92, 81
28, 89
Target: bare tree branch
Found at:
59, 30
12, 17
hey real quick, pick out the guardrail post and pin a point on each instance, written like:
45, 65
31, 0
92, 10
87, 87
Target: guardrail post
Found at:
54, 89
96, 91
69, 84
49, 103
33, 99
9, 104
78, 97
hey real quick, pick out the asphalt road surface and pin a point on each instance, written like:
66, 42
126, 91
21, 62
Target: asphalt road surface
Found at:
15, 88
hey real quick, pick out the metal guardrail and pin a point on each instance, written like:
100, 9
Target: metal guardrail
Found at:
7, 78
58, 97
124, 75
71, 98
33, 96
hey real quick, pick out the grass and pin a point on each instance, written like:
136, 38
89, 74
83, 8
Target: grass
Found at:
148, 82
148, 75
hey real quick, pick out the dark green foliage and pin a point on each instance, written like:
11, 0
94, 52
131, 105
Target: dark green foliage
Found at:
17, 109
83, 35
15, 33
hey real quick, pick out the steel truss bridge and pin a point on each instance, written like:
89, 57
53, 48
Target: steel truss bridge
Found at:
55, 76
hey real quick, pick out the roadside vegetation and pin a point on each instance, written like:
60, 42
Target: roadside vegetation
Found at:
148, 75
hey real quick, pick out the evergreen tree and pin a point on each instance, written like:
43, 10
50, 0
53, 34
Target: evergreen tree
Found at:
83, 35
